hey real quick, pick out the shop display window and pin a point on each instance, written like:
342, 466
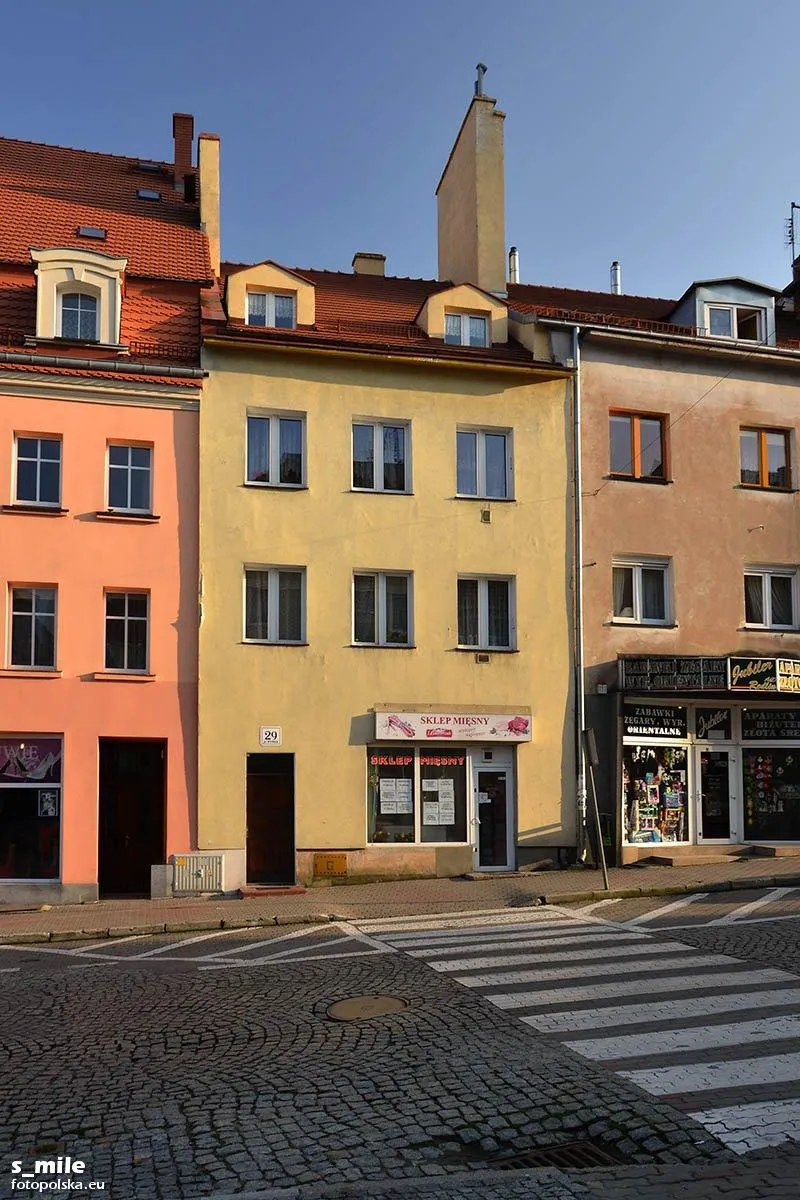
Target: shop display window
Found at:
390, 795
30, 808
655, 796
443, 788
771, 779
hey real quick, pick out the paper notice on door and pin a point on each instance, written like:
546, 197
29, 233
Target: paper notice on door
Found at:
483, 798
388, 796
430, 812
430, 785
403, 798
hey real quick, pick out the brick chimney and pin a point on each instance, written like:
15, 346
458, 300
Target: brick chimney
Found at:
369, 264
183, 138
208, 171
471, 201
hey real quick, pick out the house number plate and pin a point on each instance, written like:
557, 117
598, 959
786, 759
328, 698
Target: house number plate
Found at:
270, 735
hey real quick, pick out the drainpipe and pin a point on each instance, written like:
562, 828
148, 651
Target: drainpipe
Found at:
580, 698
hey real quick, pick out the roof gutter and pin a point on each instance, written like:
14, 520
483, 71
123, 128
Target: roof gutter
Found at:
665, 340
54, 360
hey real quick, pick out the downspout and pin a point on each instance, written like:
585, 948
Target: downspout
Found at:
580, 697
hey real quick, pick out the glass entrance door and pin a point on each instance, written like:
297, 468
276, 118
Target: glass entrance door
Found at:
492, 794
714, 823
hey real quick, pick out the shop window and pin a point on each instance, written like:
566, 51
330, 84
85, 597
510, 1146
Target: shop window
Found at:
466, 329
33, 627
38, 471
764, 458
126, 631
483, 464
640, 591
654, 794
129, 471
380, 457
771, 778
273, 310
382, 609
390, 796
637, 446
486, 613
443, 796
275, 450
30, 808
274, 605
770, 598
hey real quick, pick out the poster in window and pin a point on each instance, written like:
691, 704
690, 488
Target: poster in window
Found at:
388, 796
48, 803
404, 800
430, 812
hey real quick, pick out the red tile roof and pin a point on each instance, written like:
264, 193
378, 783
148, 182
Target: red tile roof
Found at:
527, 297
48, 192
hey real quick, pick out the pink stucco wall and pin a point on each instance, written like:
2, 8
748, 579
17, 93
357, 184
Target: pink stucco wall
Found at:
82, 556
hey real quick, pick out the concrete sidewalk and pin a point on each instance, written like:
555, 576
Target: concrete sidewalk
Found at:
118, 918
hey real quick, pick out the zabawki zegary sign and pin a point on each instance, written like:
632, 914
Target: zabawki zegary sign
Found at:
441, 726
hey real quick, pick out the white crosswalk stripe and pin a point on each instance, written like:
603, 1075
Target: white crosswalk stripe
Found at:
705, 1031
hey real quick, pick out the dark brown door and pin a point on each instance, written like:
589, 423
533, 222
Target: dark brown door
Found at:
132, 814
493, 818
270, 818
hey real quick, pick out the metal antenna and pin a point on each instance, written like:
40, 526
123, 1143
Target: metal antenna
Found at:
481, 69
789, 229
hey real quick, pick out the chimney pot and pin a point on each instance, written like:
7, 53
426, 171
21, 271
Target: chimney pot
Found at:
616, 278
369, 264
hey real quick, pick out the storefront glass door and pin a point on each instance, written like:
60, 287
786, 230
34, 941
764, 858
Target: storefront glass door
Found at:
492, 796
714, 796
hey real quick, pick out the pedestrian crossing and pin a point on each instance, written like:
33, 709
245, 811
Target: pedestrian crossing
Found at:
714, 1035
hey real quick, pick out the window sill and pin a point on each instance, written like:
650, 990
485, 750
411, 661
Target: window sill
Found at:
254, 642
758, 487
35, 510
638, 479
275, 487
487, 499
140, 518
486, 649
379, 492
768, 629
643, 624
122, 677
383, 646
29, 673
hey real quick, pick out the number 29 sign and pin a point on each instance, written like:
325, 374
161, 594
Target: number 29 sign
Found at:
270, 735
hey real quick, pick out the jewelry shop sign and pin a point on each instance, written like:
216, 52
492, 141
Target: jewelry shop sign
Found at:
788, 675
448, 726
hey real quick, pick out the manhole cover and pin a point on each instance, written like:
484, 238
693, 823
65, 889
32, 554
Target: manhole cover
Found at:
361, 1008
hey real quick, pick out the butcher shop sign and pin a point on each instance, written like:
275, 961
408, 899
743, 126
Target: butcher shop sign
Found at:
452, 727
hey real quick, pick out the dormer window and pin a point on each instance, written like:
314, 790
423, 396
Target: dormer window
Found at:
466, 329
78, 316
735, 321
270, 310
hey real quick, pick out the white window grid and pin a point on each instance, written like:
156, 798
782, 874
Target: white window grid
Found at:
38, 593
38, 458
131, 470
766, 575
379, 579
378, 464
82, 306
458, 330
273, 420
126, 620
734, 310
481, 483
271, 310
484, 642
637, 566
273, 574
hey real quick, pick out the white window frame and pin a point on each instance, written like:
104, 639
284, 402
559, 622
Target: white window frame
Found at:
273, 605
126, 670
767, 573
32, 587
91, 294
483, 612
377, 454
637, 565
274, 464
481, 431
270, 317
761, 314
379, 582
39, 438
464, 318
129, 469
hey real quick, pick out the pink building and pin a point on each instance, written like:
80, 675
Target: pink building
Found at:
102, 261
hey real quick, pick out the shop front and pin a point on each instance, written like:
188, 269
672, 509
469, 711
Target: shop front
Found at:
30, 808
709, 770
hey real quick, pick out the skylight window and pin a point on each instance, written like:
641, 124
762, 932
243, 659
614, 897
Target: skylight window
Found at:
92, 231
148, 194
149, 164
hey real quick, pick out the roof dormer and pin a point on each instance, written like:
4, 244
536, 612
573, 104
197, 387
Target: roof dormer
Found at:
78, 295
734, 309
269, 296
464, 316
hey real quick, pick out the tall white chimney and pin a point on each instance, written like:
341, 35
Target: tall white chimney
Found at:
513, 265
616, 278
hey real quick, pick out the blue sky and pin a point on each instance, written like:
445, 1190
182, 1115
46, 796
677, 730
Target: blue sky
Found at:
658, 134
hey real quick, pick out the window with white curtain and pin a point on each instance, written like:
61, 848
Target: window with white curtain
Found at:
382, 609
381, 454
486, 616
274, 604
466, 329
270, 310
770, 597
641, 591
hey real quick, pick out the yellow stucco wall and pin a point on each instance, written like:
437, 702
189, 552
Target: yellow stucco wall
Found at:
321, 694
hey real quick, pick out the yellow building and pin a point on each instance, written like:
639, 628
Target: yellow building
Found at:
385, 642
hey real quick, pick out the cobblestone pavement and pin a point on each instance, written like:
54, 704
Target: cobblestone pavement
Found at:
182, 1084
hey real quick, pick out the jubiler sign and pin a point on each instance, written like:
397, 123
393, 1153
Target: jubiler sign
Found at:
461, 727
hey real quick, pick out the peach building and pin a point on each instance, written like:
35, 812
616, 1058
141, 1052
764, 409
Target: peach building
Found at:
102, 260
